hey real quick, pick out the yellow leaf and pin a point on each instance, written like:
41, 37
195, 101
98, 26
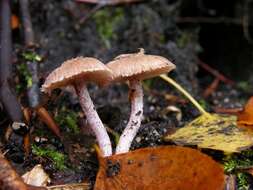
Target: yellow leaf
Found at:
214, 131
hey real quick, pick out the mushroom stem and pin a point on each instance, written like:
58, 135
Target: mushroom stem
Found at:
93, 119
134, 123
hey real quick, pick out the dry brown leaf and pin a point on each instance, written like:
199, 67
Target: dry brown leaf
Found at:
36, 177
165, 167
245, 117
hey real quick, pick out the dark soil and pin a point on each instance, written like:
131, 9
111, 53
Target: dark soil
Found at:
154, 26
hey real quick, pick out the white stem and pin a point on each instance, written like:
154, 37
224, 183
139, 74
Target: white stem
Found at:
134, 123
93, 119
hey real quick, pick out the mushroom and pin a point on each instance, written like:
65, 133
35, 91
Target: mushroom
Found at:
135, 68
78, 72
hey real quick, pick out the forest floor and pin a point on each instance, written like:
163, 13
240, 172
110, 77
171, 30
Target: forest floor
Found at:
109, 32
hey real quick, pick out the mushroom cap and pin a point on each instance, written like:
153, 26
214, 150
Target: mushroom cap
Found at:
139, 66
76, 69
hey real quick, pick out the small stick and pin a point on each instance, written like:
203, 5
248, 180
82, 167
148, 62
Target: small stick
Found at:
231, 111
208, 20
48, 120
27, 144
33, 91
90, 13
215, 73
27, 24
211, 88
7, 94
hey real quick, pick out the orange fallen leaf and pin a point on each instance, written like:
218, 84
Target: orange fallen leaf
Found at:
165, 167
245, 117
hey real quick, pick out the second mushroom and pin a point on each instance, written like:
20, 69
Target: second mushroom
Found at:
135, 68
78, 72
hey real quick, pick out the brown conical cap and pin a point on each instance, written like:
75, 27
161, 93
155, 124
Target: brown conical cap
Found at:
139, 66
81, 68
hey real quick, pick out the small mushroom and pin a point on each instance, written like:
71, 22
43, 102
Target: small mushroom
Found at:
78, 72
135, 68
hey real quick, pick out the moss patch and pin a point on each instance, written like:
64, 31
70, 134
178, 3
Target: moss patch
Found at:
107, 21
58, 158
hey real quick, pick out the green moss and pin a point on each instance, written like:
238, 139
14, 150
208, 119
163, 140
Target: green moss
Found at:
189, 37
234, 163
107, 20
229, 164
58, 158
204, 104
23, 71
31, 56
244, 85
25, 78
242, 181
68, 118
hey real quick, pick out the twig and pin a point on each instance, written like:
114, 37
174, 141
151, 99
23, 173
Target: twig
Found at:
208, 20
245, 21
47, 119
231, 111
7, 94
90, 13
27, 144
33, 92
211, 88
215, 73
27, 24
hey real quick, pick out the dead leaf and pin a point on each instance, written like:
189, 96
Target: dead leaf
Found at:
213, 131
9, 179
173, 109
165, 167
36, 177
245, 117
